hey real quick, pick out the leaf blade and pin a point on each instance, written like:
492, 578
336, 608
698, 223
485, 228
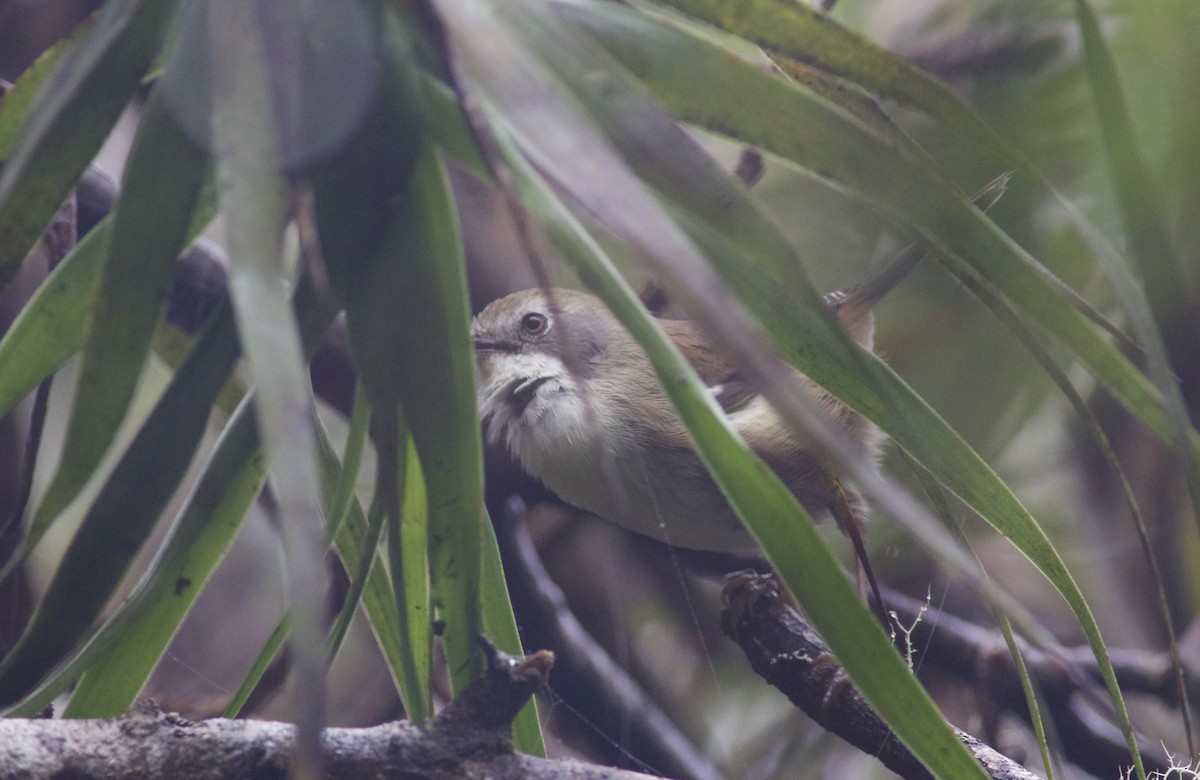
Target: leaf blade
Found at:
67, 125
133, 282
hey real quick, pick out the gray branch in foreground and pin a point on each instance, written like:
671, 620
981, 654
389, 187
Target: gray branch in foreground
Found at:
470, 738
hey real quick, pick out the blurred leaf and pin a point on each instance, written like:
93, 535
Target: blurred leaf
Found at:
135, 276
124, 512
249, 148
796, 549
267, 654
15, 104
139, 633
1145, 219
72, 117
1145, 215
52, 325
813, 37
335, 477
446, 125
133, 639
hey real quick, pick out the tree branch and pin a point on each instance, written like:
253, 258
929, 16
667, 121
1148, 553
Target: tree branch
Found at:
979, 656
787, 653
470, 738
607, 691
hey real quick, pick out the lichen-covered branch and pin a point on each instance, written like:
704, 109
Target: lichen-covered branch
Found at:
470, 738
788, 654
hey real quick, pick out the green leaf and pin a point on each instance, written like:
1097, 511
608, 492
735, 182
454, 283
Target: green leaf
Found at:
253, 191
344, 490
139, 633
438, 389
267, 654
358, 577
68, 123
52, 325
145, 239
115, 526
1145, 217
408, 553
380, 604
15, 104
413, 308
122, 654
501, 627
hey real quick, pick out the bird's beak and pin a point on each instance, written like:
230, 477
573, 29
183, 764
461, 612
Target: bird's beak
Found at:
485, 345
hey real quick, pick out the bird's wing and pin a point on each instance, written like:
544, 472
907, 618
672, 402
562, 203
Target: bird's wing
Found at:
722, 377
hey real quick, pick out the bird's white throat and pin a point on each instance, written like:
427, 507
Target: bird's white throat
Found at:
526, 399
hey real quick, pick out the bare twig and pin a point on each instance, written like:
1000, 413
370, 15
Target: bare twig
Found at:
587, 669
979, 656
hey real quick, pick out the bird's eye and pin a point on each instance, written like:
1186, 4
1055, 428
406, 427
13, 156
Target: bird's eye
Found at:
534, 323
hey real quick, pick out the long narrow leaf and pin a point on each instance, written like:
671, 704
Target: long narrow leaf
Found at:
501, 627
423, 265
15, 104
115, 527
52, 325
72, 117
1145, 220
253, 199
262, 662
134, 279
197, 542
380, 605
408, 553
142, 627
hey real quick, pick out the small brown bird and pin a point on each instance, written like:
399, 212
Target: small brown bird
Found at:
576, 401
570, 393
